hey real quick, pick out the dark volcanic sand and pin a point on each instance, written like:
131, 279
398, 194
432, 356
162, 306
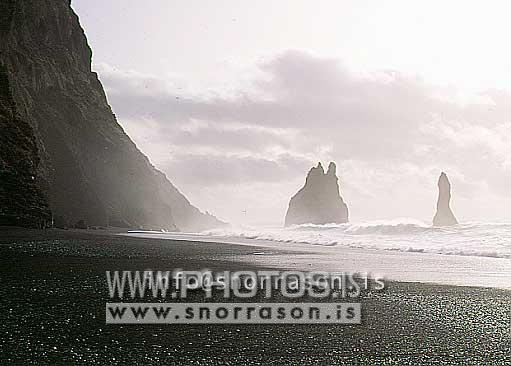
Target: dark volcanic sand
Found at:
53, 312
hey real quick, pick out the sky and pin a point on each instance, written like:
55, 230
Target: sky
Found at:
235, 101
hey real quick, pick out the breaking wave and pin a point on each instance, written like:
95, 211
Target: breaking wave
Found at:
406, 235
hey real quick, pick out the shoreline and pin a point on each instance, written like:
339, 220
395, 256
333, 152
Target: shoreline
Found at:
54, 295
267, 254
412, 267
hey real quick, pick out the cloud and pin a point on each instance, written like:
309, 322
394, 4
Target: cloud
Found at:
382, 127
212, 170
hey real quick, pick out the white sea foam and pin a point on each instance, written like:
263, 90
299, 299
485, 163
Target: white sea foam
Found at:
405, 235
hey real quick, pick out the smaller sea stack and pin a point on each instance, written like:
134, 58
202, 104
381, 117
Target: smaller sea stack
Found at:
319, 201
444, 215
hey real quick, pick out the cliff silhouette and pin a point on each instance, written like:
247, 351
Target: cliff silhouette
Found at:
66, 149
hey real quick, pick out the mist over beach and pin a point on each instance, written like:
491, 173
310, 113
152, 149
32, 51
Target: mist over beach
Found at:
255, 183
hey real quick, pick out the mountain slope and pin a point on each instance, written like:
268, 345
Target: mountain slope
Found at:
89, 168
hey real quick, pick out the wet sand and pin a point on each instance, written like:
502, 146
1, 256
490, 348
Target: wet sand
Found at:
54, 293
442, 269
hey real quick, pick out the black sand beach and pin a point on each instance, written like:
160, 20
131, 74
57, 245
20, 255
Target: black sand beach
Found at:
53, 312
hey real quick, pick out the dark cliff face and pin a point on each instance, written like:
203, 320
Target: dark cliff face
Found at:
319, 201
21, 201
89, 168
444, 215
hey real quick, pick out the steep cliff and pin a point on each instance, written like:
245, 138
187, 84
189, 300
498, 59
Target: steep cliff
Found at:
89, 169
444, 215
21, 201
319, 201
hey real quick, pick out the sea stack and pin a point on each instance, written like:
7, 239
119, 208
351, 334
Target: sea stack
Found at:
444, 215
319, 201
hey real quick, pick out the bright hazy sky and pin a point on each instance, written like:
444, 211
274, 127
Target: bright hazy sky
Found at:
236, 100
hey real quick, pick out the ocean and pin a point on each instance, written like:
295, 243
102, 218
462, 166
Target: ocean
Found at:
469, 254
404, 235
